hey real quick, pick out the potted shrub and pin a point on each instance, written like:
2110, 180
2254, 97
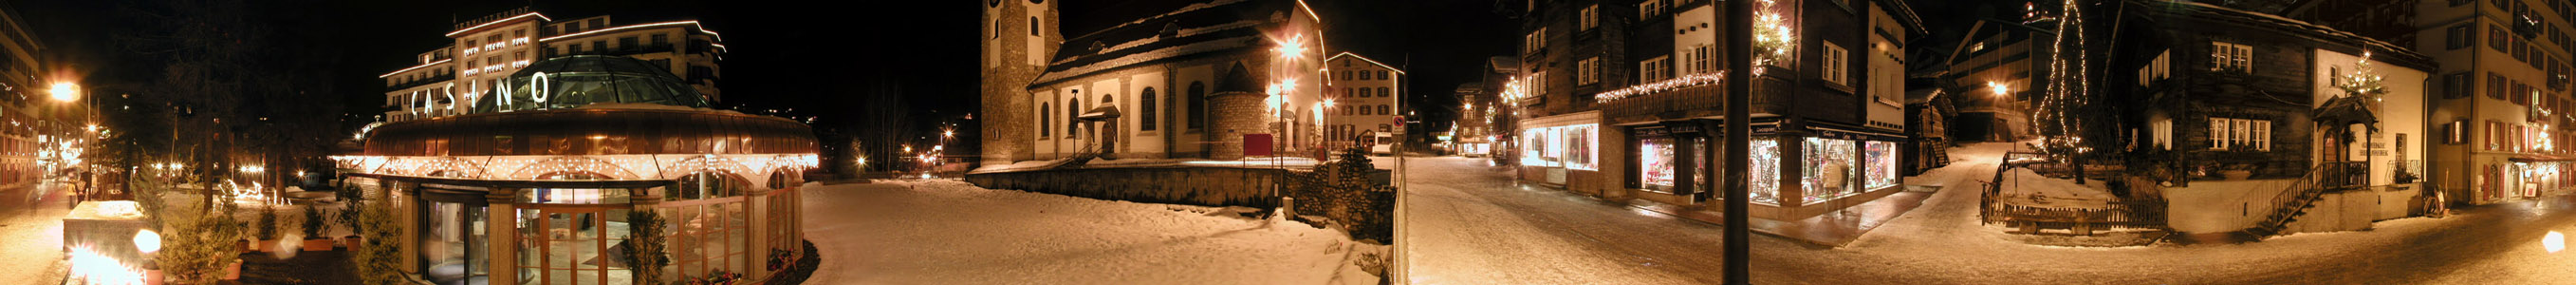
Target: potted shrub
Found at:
233, 272
313, 238
2237, 171
151, 273
267, 231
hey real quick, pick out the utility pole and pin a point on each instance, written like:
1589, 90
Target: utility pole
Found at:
1739, 92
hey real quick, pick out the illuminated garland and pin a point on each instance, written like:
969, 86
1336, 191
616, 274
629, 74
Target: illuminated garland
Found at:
1658, 86
2067, 87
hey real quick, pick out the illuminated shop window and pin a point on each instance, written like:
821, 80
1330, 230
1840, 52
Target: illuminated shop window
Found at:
1882, 164
1765, 186
1658, 162
1831, 169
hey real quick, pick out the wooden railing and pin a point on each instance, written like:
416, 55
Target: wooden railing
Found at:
1993, 205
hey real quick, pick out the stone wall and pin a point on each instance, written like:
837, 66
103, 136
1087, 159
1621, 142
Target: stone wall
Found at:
1203, 186
1235, 114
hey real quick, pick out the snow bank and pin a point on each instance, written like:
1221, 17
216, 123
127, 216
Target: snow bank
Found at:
948, 232
2025, 187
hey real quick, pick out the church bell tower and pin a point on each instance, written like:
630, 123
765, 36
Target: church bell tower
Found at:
1019, 38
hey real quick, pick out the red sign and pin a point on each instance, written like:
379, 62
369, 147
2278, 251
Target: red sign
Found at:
1256, 145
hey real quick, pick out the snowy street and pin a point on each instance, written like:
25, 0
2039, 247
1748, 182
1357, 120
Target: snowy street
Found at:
31, 222
1469, 224
949, 232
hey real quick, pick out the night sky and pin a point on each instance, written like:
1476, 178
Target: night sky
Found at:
818, 59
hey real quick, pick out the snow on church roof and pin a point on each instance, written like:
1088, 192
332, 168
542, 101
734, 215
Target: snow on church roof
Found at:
1195, 29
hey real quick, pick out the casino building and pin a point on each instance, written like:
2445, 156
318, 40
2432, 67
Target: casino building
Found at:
537, 181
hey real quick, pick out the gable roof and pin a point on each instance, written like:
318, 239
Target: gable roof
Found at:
1214, 26
1365, 59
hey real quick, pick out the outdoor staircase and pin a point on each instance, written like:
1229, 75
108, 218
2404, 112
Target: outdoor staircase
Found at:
1940, 154
2295, 202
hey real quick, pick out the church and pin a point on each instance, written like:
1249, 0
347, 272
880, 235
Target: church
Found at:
1222, 80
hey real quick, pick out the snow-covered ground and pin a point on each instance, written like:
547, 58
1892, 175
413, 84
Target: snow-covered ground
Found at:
1471, 226
949, 232
31, 224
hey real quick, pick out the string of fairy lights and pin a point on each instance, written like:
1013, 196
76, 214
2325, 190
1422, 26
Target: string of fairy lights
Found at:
1772, 36
2067, 85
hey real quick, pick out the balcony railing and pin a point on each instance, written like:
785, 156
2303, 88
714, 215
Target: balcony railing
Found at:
1696, 101
422, 81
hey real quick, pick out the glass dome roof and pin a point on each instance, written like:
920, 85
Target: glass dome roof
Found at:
574, 81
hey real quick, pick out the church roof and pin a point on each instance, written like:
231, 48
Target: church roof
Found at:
1215, 26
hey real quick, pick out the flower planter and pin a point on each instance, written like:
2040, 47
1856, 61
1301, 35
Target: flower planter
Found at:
245, 246
2236, 174
317, 244
233, 272
352, 242
268, 245
152, 277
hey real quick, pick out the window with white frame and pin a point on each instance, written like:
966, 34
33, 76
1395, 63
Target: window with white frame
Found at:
1591, 17
2227, 56
1534, 41
1588, 71
1653, 69
2240, 134
1699, 60
1835, 59
1538, 83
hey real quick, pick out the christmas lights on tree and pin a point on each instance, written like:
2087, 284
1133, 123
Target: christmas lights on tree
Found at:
2057, 110
1772, 37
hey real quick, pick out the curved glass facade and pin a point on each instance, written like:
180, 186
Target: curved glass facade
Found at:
575, 81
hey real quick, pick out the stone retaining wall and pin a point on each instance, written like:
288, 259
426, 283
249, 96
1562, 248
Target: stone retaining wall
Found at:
1203, 186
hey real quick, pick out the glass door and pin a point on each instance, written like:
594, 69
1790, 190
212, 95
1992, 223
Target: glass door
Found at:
575, 245
452, 241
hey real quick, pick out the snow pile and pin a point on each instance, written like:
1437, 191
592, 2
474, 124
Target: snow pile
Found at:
948, 232
2028, 188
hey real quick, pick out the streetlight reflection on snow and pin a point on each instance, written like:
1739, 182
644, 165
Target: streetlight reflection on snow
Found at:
2554, 242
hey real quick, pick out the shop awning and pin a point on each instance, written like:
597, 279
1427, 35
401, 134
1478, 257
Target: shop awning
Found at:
2540, 158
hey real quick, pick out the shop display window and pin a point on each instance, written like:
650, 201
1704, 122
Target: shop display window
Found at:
1766, 170
1581, 145
1832, 169
1882, 164
1573, 147
1659, 159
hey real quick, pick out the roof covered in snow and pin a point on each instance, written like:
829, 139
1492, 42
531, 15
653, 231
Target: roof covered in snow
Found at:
1214, 26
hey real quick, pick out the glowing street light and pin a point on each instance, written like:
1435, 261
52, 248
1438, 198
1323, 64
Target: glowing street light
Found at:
948, 133
65, 91
1293, 48
1999, 88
